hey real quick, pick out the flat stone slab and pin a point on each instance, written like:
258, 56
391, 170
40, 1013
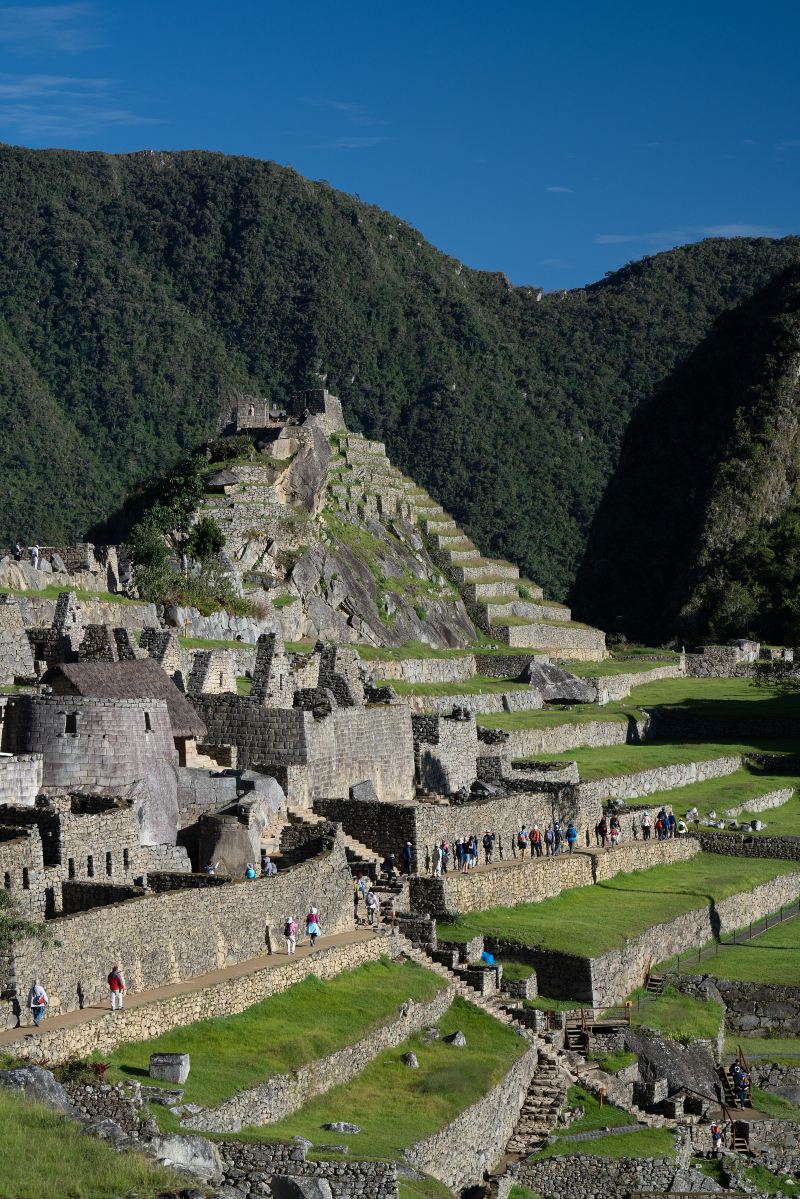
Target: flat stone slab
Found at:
169, 1067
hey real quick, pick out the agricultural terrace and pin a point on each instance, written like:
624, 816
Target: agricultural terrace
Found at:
283, 1032
395, 1106
773, 957
589, 921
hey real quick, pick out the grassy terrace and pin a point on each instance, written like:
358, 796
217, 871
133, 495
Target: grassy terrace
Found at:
747, 784
477, 685
282, 1033
396, 1106
774, 957
588, 921
208, 643
647, 1142
42, 1153
614, 761
54, 591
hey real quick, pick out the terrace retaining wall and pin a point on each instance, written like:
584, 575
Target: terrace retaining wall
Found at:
251, 1169
557, 739
748, 845
286, 1093
661, 778
609, 687
459, 1154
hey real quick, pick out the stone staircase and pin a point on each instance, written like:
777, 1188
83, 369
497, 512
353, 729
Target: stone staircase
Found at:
546, 1096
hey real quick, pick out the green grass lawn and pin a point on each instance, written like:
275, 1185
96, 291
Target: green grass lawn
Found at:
244, 685
768, 1183
774, 1106
774, 957
396, 1106
44, 1154
520, 1192
783, 1050
516, 970
747, 784
590, 920
612, 1063
422, 1188
645, 1142
679, 1017
308, 1021
594, 1115
613, 666
614, 761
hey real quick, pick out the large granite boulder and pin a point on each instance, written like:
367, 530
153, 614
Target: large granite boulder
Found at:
38, 1085
196, 1155
680, 1067
556, 685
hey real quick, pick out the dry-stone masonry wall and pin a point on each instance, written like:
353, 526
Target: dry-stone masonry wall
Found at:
20, 778
230, 923
589, 734
286, 1093
427, 670
748, 845
459, 1154
107, 1030
16, 658
445, 751
663, 778
559, 1177
759, 1009
251, 1168
610, 687
773, 799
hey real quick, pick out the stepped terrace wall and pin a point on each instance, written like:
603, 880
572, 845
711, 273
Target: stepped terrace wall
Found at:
459, 1154
748, 845
287, 1093
661, 778
489, 703
557, 739
20, 778
541, 878
385, 828
178, 935
753, 1008
571, 641
584, 1178
106, 1030
609, 687
619, 971
427, 670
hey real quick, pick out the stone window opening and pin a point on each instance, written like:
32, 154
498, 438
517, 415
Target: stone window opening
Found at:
90, 866
26, 879
109, 865
148, 726
71, 723
71, 868
220, 680
7, 881
126, 859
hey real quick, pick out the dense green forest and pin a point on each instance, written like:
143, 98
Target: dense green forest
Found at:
699, 531
138, 291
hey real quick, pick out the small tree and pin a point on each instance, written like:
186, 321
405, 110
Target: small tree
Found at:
205, 540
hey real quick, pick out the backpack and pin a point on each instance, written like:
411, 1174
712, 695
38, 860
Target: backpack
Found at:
289, 929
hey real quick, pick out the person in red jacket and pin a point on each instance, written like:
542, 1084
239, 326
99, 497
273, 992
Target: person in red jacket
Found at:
116, 985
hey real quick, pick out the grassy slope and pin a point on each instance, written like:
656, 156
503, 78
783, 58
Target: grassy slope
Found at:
774, 957
590, 920
283, 1032
395, 1106
679, 1017
43, 1154
656, 1142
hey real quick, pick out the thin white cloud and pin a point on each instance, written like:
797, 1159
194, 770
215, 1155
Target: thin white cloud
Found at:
26, 87
794, 144
351, 143
66, 28
663, 237
67, 120
567, 191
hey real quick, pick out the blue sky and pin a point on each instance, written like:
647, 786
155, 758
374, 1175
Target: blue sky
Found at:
553, 141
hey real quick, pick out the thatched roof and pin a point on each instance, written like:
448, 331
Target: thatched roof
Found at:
128, 680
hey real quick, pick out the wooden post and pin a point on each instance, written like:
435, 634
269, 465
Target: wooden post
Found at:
602, 1095
629, 1011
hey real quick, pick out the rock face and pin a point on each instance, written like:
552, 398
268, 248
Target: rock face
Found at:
556, 685
37, 1084
678, 1066
169, 1067
195, 1154
300, 1188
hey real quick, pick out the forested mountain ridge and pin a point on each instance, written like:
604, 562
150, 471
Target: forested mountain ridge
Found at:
137, 291
699, 531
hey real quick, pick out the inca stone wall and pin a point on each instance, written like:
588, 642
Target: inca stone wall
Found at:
760, 1009
487, 702
569, 640
459, 1154
22, 871
772, 799
427, 670
589, 734
445, 752
286, 1093
521, 882
610, 687
21, 778
251, 1168
749, 845
230, 923
16, 658
558, 1177
107, 1030
616, 973
212, 672
663, 778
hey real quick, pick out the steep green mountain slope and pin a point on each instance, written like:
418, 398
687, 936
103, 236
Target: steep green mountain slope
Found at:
137, 291
699, 531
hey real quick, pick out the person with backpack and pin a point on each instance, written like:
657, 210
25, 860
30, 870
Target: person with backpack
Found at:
290, 933
680, 828
548, 840
313, 929
572, 836
473, 850
716, 1138
408, 857
536, 841
372, 907
557, 837
635, 827
602, 828
37, 1001
614, 830
488, 847
522, 841
437, 861
645, 826
673, 824
116, 985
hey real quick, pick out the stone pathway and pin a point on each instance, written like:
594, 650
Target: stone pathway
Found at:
136, 999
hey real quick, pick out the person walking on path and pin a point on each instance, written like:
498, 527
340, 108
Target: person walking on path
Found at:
602, 829
614, 830
680, 828
37, 1001
548, 840
290, 933
635, 827
673, 824
536, 841
116, 985
437, 861
313, 926
572, 836
35, 557
557, 837
408, 855
488, 847
372, 907
17, 552
645, 826
522, 841
427, 859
